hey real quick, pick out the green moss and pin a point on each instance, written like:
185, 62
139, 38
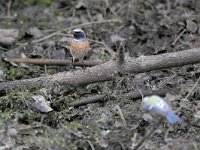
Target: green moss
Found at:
17, 73
12, 73
6, 23
45, 2
75, 125
12, 101
6, 116
104, 56
51, 71
57, 13
27, 2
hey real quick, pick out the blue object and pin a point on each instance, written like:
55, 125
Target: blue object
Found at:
157, 105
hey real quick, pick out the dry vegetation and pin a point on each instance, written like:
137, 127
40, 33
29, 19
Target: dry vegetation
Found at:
44, 104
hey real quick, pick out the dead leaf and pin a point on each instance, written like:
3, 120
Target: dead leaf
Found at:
41, 104
35, 32
147, 117
115, 38
197, 115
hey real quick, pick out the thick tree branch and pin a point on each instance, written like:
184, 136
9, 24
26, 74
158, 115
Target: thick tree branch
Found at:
108, 70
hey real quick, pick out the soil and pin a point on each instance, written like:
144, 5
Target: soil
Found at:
145, 28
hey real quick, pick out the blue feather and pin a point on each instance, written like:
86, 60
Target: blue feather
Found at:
172, 118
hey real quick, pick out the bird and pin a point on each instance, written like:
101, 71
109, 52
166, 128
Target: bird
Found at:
79, 46
157, 105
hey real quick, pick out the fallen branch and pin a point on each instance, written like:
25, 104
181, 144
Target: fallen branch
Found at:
133, 95
109, 70
53, 62
89, 100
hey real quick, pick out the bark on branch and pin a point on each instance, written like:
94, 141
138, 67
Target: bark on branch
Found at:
108, 70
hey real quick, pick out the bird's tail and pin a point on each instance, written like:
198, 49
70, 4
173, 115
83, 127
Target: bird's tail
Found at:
172, 118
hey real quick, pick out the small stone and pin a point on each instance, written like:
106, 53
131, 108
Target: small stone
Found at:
192, 26
48, 44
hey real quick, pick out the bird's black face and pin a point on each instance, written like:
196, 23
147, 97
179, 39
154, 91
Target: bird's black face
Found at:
78, 34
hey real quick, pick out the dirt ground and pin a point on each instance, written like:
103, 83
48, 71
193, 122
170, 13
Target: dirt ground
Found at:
148, 27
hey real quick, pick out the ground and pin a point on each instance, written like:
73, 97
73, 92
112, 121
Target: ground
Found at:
146, 28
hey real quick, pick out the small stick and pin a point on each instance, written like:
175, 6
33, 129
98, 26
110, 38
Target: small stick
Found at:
121, 52
41, 39
104, 44
88, 100
148, 134
7, 17
96, 22
9, 7
75, 26
91, 145
184, 100
24, 129
121, 115
73, 14
178, 37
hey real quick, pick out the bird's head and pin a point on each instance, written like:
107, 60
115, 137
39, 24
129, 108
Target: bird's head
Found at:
78, 33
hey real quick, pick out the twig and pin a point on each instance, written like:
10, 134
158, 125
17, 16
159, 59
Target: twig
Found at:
168, 6
3, 49
26, 128
7, 17
122, 145
120, 55
109, 70
104, 44
178, 37
54, 62
9, 7
190, 92
41, 39
96, 22
133, 139
133, 95
88, 100
78, 134
137, 94
148, 134
192, 89
75, 26
91, 145
89, 14
73, 15
142, 95
166, 80
122, 7
121, 115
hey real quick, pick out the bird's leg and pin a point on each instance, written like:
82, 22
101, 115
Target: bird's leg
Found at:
84, 67
72, 64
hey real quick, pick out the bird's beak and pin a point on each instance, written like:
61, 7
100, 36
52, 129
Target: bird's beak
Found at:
72, 32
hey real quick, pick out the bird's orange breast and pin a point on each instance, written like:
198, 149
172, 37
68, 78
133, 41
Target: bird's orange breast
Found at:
79, 49
79, 45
